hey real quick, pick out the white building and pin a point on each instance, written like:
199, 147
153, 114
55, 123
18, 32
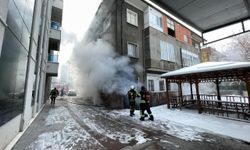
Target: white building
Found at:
29, 33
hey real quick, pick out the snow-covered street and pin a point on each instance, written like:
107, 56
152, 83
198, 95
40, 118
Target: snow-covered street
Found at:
71, 124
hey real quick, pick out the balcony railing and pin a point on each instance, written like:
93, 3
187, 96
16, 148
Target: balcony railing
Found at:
53, 64
55, 25
228, 106
53, 58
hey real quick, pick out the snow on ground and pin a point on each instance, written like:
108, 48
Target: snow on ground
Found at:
189, 125
68, 137
116, 133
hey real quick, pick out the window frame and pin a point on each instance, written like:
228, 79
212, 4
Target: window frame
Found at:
166, 53
170, 24
161, 85
185, 38
137, 49
129, 13
151, 86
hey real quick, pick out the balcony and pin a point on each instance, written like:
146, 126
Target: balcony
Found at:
54, 36
52, 65
55, 32
58, 4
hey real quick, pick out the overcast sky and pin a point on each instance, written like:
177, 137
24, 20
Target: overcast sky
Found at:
77, 16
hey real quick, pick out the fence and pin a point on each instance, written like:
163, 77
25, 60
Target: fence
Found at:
228, 106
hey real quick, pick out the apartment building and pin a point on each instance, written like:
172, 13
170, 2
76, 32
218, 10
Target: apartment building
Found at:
148, 37
29, 38
209, 54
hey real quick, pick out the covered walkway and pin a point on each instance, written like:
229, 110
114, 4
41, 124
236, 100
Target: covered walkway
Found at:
213, 72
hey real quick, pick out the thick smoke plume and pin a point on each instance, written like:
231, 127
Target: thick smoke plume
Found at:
97, 68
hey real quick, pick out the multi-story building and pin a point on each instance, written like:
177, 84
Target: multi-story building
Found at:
209, 54
29, 31
147, 36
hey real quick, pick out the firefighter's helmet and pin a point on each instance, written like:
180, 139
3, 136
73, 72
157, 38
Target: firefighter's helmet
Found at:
132, 87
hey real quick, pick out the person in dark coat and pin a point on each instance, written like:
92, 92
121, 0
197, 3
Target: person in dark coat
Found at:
53, 94
144, 104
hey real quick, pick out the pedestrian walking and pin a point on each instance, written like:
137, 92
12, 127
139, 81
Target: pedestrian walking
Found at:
62, 92
132, 94
53, 94
144, 104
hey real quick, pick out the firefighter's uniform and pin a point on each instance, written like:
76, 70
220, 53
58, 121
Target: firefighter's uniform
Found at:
132, 94
144, 104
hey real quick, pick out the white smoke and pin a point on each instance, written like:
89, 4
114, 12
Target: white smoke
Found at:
97, 68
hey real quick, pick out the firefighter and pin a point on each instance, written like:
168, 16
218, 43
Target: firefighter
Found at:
132, 94
53, 94
144, 104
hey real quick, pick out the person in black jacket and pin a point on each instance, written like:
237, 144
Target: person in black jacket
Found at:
144, 104
53, 94
132, 94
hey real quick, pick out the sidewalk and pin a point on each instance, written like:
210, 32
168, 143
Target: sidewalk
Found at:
35, 129
72, 124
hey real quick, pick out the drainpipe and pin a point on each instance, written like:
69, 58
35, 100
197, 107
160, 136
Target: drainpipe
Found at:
181, 58
27, 76
217, 82
122, 27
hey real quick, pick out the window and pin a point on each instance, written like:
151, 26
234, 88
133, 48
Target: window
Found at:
132, 50
151, 85
196, 46
107, 23
185, 38
167, 51
170, 24
156, 20
132, 17
189, 58
161, 85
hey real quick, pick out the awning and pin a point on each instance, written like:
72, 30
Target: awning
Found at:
207, 15
207, 67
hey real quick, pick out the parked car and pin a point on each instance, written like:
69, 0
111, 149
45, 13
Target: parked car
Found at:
72, 93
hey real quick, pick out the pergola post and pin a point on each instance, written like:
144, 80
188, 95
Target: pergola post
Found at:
167, 93
198, 96
180, 92
191, 90
217, 82
248, 92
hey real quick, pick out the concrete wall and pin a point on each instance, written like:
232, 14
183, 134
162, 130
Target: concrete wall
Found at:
9, 131
36, 69
30, 77
3, 16
119, 33
153, 51
133, 34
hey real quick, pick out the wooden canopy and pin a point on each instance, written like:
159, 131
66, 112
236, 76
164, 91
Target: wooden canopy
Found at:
209, 72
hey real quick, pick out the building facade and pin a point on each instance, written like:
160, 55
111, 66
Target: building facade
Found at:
209, 54
148, 37
29, 33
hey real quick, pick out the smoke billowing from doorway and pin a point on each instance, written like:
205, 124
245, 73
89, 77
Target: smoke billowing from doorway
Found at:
97, 68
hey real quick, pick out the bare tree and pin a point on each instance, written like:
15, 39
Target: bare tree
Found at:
238, 50
241, 43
